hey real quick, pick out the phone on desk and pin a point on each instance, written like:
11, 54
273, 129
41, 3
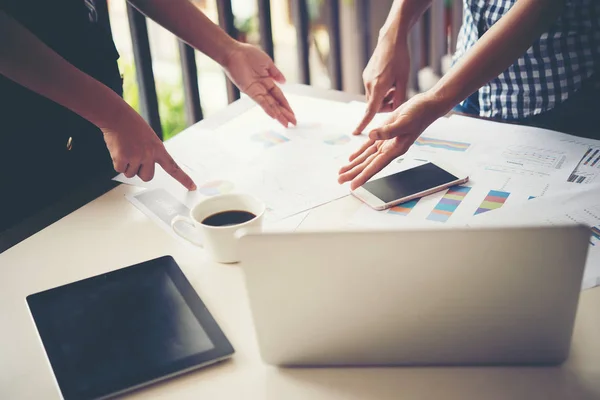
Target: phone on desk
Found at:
409, 184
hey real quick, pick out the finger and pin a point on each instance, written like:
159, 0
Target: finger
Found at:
388, 98
119, 164
276, 73
388, 107
280, 97
132, 169
368, 91
376, 164
171, 168
369, 114
350, 175
261, 99
277, 111
390, 130
362, 148
372, 108
365, 154
290, 117
146, 172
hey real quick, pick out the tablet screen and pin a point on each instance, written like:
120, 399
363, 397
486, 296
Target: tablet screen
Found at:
122, 329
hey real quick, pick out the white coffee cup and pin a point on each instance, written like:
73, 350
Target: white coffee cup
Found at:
221, 241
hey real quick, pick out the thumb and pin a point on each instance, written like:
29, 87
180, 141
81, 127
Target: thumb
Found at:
373, 106
276, 73
392, 128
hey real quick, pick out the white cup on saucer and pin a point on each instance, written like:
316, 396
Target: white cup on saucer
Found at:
217, 220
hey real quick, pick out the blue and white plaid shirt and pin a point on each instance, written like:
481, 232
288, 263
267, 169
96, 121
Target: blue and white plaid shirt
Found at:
552, 69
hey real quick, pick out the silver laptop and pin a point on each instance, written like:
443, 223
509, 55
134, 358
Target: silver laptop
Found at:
421, 297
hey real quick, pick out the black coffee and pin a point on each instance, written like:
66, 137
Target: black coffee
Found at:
227, 218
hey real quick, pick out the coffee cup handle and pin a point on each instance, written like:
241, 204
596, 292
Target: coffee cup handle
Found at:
185, 220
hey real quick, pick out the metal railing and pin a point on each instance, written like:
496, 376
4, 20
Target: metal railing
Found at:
428, 41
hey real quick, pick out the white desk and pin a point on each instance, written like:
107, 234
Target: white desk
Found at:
110, 233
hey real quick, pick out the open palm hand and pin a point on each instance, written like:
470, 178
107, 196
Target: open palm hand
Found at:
255, 74
391, 140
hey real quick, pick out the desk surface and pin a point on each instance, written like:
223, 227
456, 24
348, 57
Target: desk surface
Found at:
109, 233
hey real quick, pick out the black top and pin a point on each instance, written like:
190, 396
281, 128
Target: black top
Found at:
72, 28
36, 167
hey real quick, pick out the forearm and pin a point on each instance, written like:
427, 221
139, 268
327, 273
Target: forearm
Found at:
187, 22
496, 50
402, 17
29, 62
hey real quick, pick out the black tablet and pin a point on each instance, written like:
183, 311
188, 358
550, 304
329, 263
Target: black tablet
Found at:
125, 329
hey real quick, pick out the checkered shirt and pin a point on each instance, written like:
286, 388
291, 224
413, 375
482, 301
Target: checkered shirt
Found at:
552, 69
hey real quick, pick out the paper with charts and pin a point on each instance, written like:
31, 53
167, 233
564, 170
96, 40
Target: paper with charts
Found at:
295, 169
533, 166
292, 170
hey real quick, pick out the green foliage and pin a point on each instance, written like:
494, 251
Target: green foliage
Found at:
170, 101
246, 25
130, 87
171, 108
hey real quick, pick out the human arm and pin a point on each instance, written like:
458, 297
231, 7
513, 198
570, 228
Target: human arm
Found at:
386, 75
495, 51
133, 145
248, 67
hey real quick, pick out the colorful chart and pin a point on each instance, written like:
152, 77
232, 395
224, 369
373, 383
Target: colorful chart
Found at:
494, 199
334, 140
595, 235
591, 158
577, 178
403, 209
269, 138
448, 204
214, 188
442, 144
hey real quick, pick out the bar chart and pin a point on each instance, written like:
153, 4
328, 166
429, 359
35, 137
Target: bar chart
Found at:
442, 144
403, 209
494, 200
449, 203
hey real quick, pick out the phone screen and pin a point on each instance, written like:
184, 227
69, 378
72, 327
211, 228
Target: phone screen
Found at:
409, 182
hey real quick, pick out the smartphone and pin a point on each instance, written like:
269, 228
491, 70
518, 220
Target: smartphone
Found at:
409, 184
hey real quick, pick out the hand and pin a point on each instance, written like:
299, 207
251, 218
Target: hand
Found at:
135, 148
255, 74
386, 77
391, 140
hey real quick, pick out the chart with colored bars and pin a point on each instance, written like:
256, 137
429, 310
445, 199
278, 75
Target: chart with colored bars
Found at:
214, 188
334, 140
592, 159
494, 200
269, 138
595, 239
442, 144
449, 203
403, 209
588, 168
